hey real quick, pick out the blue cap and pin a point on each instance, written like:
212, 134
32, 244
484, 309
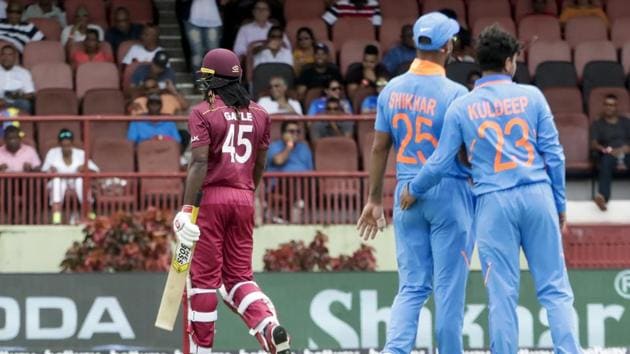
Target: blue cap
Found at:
438, 28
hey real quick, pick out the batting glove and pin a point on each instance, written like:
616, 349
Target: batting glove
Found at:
187, 233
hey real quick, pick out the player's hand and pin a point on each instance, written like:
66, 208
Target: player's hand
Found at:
372, 220
187, 233
562, 218
406, 199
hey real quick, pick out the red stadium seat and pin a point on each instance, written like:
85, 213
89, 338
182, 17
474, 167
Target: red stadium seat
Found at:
543, 27
95, 8
52, 75
336, 154
573, 131
56, 101
311, 95
95, 76
128, 72
401, 10
123, 48
564, 99
541, 51
625, 57
591, 51
103, 101
48, 26
522, 8
114, 155
352, 28
620, 32
585, 29
505, 23
617, 9
478, 9
108, 130
140, 11
598, 95
303, 9
43, 52
159, 156
456, 5
352, 52
390, 32
316, 24
359, 95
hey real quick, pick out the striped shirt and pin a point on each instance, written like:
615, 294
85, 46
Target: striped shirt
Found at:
346, 8
19, 34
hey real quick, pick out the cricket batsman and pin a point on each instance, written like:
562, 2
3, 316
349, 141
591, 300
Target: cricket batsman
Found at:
229, 140
518, 172
433, 238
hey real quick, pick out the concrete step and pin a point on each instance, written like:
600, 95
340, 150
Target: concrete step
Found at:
178, 64
164, 5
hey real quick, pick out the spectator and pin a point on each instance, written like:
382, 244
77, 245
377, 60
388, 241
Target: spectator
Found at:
3, 9
172, 101
157, 69
334, 89
273, 51
202, 29
289, 154
472, 77
257, 30
8, 115
539, 7
76, 32
279, 102
15, 156
581, 8
16, 83
140, 131
304, 52
368, 106
353, 8
610, 142
323, 129
65, 159
365, 73
319, 73
45, 9
147, 49
122, 29
90, 51
403, 53
15, 31
463, 50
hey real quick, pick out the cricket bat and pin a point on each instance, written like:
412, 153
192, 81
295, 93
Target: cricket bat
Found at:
176, 280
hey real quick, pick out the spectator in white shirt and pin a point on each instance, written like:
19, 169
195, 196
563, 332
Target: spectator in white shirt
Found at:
278, 102
65, 159
45, 9
16, 83
274, 51
147, 49
255, 31
77, 32
203, 29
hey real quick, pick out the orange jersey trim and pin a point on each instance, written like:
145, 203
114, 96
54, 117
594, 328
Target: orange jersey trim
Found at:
425, 67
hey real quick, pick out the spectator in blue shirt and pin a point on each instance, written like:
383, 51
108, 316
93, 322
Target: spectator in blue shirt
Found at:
369, 103
140, 131
333, 89
158, 69
289, 154
403, 53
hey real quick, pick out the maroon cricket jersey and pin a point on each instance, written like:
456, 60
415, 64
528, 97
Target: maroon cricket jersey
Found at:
234, 138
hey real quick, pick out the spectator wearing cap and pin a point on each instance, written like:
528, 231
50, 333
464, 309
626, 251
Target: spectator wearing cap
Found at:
319, 73
278, 102
45, 9
172, 101
16, 156
256, 31
15, 31
364, 74
146, 50
158, 69
76, 32
403, 53
16, 83
91, 50
122, 29
274, 51
368, 106
334, 89
140, 131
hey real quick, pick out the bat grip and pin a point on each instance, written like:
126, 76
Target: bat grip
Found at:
195, 210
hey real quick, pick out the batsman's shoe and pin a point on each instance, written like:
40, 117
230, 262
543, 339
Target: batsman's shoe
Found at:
277, 339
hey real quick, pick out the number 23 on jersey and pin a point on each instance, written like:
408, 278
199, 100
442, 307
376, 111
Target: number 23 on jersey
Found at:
418, 138
521, 143
236, 137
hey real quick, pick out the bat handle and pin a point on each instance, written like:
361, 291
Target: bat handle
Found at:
195, 211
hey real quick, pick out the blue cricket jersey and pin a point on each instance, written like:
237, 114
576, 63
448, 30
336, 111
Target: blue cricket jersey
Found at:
510, 137
411, 110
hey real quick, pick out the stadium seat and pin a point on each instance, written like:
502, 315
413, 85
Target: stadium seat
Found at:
522, 74
598, 95
52, 75
625, 57
48, 26
541, 51
364, 127
564, 99
95, 8
390, 32
389, 183
359, 95
56, 101
303, 9
478, 9
264, 72
555, 74
601, 74
42, 52
456, 5
585, 29
159, 156
400, 10
459, 71
311, 95
47, 134
114, 155
573, 130
616, 10
103, 101
337, 154
140, 11
96, 75
352, 52
128, 73
108, 130
505, 23
620, 32
123, 48
316, 24
543, 27
352, 28
586, 52
524, 7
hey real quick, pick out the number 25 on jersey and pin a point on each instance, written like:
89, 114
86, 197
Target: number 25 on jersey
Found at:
229, 147
419, 137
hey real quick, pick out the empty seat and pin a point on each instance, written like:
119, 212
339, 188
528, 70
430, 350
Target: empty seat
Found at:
620, 33
564, 99
95, 8
56, 101
505, 23
140, 11
541, 51
522, 8
264, 72
335, 154
123, 48
460, 71
401, 10
555, 74
348, 28
573, 130
52, 75
108, 130
159, 156
352, 52
103, 101
601, 74
360, 94
113, 194
48, 26
522, 74
543, 27
43, 52
456, 5
598, 95
591, 51
96, 75
303, 9
478, 9
316, 24
585, 29
617, 9
390, 32
114, 155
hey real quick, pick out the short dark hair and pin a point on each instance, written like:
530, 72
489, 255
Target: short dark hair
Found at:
11, 129
121, 9
333, 100
494, 46
450, 13
307, 30
370, 49
611, 96
92, 31
274, 29
285, 124
331, 81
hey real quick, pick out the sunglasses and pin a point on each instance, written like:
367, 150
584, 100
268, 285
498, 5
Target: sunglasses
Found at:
65, 135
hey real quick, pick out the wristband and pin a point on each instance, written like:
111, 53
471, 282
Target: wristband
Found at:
187, 209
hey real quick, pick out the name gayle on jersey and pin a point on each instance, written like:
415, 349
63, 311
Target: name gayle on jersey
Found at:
411, 102
247, 116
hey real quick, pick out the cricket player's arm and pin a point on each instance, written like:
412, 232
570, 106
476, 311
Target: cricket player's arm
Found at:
259, 166
380, 152
200, 146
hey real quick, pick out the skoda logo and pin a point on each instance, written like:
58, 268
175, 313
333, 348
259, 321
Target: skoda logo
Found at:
622, 284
